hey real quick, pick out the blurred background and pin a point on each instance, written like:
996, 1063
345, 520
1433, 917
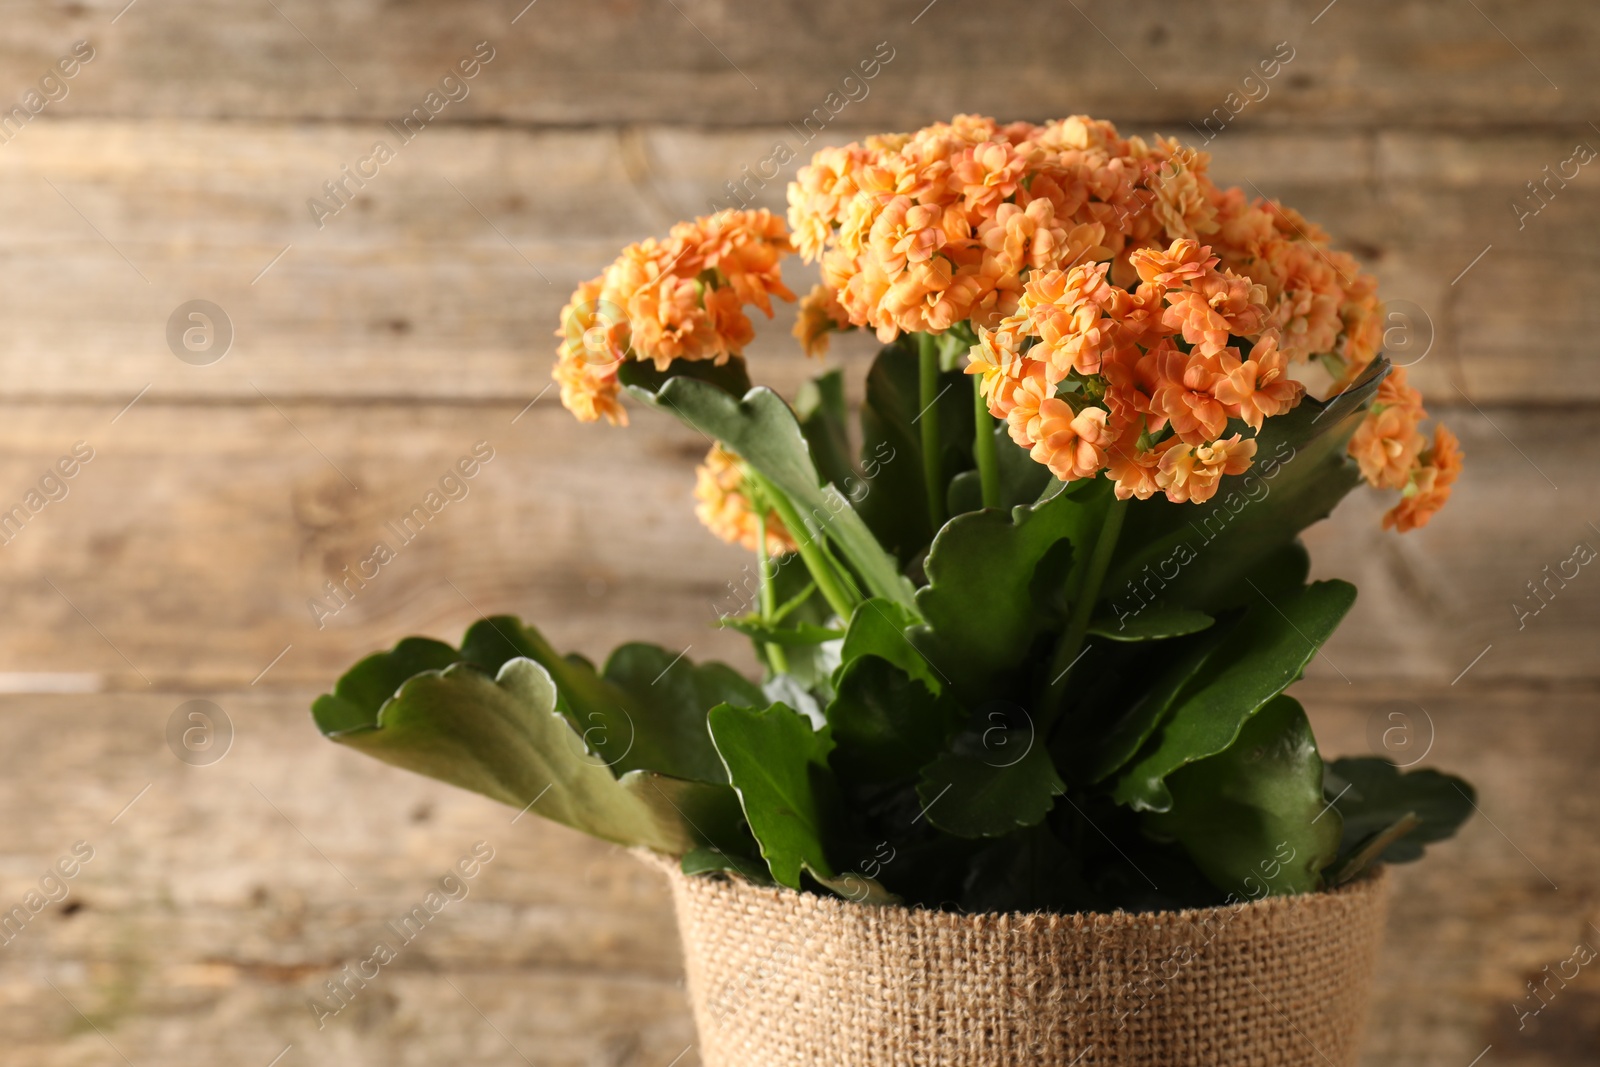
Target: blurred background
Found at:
371, 317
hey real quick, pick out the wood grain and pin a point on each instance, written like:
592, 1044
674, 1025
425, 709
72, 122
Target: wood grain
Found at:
708, 62
220, 903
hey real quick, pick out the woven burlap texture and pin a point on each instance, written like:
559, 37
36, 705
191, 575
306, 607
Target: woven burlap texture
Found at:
785, 979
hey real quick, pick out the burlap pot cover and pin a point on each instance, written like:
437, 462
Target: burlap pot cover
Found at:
784, 979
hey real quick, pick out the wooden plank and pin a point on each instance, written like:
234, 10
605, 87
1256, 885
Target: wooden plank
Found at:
416, 289
1357, 63
1482, 915
411, 291
216, 905
195, 540
221, 893
238, 515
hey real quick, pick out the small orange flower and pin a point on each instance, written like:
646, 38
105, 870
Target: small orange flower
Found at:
1132, 379
985, 174
669, 322
1182, 204
590, 392
1064, 309
1072, 445
1024, 237
906, 232
1182, 264
721, 504
594, 342
1445, 456
1133, 471
998, 354
1259, 387
1387, 443
1192, 473
1430, 484
1209, 309
1304, 294
1020, 401
1186, 396
820, 315
905, 304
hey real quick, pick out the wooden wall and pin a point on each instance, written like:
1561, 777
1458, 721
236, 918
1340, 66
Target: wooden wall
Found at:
371, 351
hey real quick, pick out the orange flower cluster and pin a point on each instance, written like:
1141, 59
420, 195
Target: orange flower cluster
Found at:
1087, 373
1132, 317
722, 506
682, 298
1116, 290
1394, 454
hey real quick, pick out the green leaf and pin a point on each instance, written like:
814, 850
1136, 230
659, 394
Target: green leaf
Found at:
1122, 741
980, 789
365, 687
1260, 658
676, 695
1252, 817
762, 430
856, 888
895, 505
1379, 795
1301, 471
981, 605
732, 376
878, 628
779, 767
504, 737
715, 861
1022, 479
803, 633
624, 714
711, 812
886, 724
1348, 867
966, 493
820, 407
1156, 623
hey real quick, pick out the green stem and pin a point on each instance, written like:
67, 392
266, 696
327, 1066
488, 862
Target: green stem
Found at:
774, 651
983, 445
928, 418
1072, 638
822, 568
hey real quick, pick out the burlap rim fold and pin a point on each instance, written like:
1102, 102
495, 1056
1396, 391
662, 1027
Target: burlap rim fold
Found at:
785, 979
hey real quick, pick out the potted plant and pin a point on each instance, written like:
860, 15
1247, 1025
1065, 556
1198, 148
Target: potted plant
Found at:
1020, 782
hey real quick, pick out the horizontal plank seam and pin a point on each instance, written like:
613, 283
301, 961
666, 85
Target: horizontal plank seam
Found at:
1334, 692
1436, 408
1290, 124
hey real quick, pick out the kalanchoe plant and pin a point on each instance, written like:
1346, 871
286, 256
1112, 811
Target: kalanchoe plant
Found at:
1026, 634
